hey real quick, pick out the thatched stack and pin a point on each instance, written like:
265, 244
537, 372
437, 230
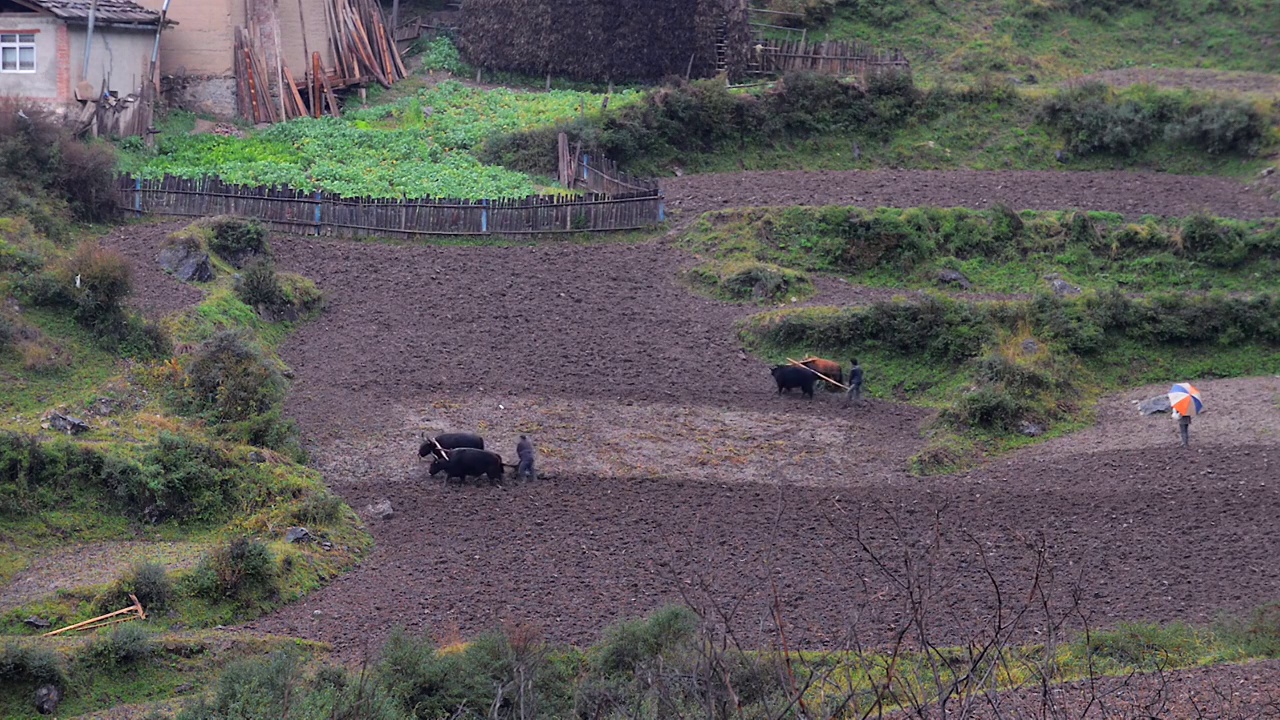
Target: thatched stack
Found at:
596, 39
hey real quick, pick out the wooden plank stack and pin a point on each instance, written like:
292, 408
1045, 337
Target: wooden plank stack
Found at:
362, 47
364, 51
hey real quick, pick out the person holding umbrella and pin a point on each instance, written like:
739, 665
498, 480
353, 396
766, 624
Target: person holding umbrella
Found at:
1185, 401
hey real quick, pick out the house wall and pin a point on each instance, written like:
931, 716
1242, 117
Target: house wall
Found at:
196, 53
119, 56
44, 84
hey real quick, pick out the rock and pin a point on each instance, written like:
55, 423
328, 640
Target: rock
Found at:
1030, 429
47, 698
1157, 404
38, 623
184, 688
381, 510
1062, 287
1030, 347
67, 424
256, 457
1267, 171
297, 535
953, 277
186, 263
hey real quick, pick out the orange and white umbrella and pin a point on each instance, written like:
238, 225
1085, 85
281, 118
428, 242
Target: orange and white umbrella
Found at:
1184, 398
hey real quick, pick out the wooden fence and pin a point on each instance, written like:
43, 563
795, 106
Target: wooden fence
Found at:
597, 174
829, 57
321, 213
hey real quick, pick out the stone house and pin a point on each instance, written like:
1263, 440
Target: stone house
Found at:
42, 48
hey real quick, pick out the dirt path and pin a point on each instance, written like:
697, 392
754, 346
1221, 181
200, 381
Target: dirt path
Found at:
1132, 194
1189, 78
87, 565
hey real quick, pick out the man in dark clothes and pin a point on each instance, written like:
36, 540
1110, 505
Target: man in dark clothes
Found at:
524, 450
855, 384
1184, 427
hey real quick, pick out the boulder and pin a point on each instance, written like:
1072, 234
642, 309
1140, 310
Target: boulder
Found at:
381, 510
67, 424
953, 277
38, 623
1030, 429
1062, 287
186, 263
47, 698
298, 535
1157, 404
1030, 347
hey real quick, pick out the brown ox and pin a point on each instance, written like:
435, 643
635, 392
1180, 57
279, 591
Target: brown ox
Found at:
830, 368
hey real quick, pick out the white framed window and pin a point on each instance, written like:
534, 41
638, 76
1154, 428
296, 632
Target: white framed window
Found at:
17, 52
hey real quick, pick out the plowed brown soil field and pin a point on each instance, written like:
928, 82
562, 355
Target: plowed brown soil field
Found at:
672, 471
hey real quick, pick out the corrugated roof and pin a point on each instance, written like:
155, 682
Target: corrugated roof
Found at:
109, 12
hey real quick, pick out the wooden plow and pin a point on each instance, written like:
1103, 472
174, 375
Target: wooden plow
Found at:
132, 612
798, 363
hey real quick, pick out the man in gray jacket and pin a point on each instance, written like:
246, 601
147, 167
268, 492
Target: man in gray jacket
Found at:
524, 451
855, 384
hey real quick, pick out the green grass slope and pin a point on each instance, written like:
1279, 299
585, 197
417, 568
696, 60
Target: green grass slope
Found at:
1055, 40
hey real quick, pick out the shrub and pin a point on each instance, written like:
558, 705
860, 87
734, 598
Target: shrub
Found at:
150, 583
270, 429
126, 644
243, 570
87, 178
750, 280
238, 239
629, 645
229, 379
318, 509
251, 688
104, 281
7, 331
47, 174
300, 293
1224, 126
276, 687
30, 666
258, 286
1217, 244
1091, 121
178, 477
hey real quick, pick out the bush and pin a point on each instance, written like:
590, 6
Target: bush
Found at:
630, 645
126, 644
178, 477
1144, 647
276, 687
229, 380
237, 239
47, 174
243, 570
1224, 126
1091, 121
1215, 243
318, 510
149, 582
86, 176
7, 332
104, 281
258, 286
30, 666
750, 280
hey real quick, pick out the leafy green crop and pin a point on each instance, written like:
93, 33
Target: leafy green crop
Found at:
419, 146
